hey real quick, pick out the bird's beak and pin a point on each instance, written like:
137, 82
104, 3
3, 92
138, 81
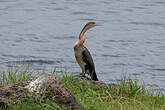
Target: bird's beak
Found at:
97, 24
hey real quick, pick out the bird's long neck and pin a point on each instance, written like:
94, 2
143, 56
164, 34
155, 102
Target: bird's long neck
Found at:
81, 36
86, 27
80, 42
81, 39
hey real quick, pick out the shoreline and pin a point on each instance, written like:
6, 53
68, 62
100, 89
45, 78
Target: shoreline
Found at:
92, 95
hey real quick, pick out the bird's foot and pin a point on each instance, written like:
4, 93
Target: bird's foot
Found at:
80, 75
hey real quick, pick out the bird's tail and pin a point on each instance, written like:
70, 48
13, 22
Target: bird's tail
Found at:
94, 76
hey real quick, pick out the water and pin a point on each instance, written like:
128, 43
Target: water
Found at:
42, 33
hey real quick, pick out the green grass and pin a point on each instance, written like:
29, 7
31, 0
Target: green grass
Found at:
13, 75
126, 95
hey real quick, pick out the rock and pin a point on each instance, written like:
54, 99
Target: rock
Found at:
49, 85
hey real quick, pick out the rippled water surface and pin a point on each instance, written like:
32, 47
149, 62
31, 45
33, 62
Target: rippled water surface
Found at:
42, 33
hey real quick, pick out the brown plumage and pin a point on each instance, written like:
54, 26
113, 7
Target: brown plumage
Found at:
83, 56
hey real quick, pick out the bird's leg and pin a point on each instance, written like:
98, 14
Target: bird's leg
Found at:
83, 74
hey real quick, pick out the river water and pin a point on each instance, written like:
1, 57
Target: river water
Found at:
41, 34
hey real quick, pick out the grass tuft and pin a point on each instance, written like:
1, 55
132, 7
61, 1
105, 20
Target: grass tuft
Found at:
13, 75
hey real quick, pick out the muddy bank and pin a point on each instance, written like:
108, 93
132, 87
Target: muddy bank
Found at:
47, 86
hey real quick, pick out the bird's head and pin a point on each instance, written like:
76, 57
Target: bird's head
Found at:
88, 26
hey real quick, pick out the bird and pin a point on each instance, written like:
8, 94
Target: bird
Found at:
82, 54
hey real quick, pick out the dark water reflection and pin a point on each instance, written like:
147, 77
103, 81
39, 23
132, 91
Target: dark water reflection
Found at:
42, 33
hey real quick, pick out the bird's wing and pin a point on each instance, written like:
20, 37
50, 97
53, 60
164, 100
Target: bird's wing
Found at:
88, 59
